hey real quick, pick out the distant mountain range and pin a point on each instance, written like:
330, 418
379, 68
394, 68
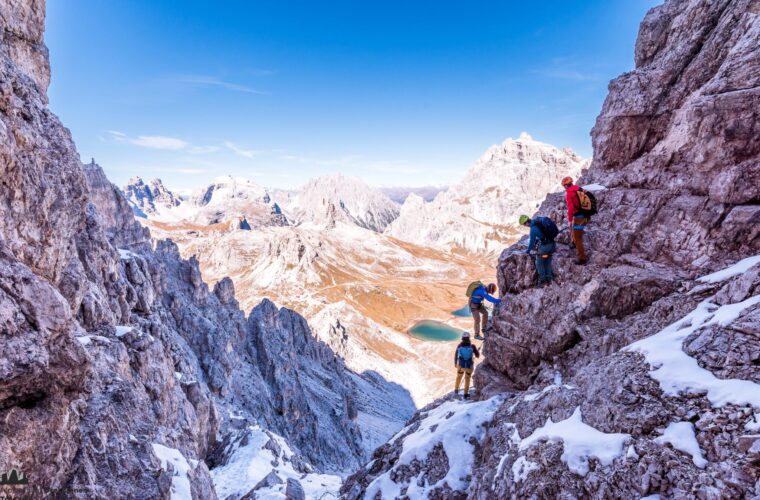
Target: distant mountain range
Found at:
477, 215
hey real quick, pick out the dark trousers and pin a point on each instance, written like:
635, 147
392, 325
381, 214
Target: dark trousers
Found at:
480, 315
544, 262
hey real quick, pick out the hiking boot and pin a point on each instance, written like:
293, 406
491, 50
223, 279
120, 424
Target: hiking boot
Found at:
466, 396
456, 392
479, 337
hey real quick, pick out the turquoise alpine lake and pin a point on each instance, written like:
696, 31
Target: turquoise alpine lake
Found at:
435, 330
463, 312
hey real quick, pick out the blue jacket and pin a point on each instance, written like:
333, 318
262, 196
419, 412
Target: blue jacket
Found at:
536, 236
480, 293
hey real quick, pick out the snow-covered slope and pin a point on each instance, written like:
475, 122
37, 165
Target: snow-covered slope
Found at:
339, 197
479, 214
232, 198
400, 194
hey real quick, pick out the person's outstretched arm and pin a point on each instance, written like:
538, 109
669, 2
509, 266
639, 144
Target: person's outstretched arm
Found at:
533, 238
493, 300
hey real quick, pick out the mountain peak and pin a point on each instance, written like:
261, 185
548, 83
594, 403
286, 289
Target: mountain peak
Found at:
525, 137
364, 205
479, 213
134, 181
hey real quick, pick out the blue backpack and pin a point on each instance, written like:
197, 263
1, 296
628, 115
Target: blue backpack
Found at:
548, 227
465, 353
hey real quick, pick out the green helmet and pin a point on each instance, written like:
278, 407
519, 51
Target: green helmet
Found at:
523, 219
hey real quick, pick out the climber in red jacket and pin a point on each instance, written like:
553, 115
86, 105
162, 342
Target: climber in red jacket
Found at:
576, 220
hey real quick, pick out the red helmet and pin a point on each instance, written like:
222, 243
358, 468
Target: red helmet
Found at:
491, 288
567, 181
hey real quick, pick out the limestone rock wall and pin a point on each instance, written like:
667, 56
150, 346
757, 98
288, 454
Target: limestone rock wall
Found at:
112, 348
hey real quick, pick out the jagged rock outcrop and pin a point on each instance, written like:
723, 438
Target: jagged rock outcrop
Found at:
669, 212
119, 368
145, 198
479, 213
632, 375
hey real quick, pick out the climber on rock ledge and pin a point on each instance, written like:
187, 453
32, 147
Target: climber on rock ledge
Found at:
581, 205
478, 292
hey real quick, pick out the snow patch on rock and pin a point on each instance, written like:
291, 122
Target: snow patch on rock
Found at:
681, 436
521, 468
740, 267
677, 372
180, 465
266, 453
580, 442
452, 425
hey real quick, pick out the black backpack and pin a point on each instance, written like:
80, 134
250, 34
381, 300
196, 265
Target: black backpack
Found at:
548, 227
587, 201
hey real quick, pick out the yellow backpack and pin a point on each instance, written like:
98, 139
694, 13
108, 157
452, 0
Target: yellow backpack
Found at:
473, 286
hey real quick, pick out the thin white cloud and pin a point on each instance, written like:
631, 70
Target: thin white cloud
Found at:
342, 161
247, 153
260, 71
358, 162
161, 142
188, 171
150, 141
211, 81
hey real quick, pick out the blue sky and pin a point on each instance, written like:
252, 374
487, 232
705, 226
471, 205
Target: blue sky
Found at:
399, 93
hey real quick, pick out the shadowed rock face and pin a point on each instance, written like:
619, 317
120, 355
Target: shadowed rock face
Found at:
109, 345
677, 147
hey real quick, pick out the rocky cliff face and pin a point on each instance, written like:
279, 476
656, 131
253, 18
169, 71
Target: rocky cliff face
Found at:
479, 214
638, 373
121, 373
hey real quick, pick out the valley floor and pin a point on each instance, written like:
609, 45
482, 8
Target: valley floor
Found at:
361, 291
